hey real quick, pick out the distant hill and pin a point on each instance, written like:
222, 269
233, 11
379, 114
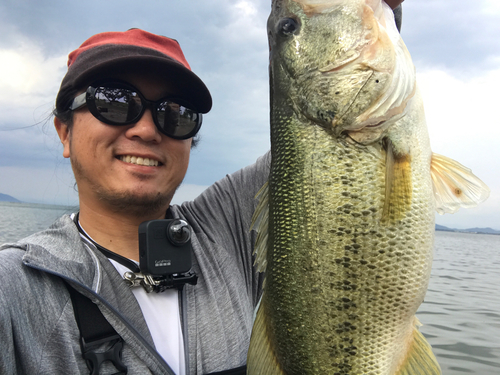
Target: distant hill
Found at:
8, 198
482, 230
470, 230
444, 229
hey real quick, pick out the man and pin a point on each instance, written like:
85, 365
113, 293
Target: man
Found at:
126, 113
112, 116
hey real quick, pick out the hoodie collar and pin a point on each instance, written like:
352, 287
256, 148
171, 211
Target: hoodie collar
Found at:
59, 250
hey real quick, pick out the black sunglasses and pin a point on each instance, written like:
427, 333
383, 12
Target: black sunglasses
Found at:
119, 103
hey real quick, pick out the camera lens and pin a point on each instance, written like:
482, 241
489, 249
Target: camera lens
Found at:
178, 232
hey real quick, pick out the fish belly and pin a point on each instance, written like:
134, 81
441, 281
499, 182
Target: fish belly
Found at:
342, 286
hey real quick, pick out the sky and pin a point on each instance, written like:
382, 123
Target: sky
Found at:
455, 47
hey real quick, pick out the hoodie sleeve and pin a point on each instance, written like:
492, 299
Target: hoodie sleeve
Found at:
224, 211
7, 356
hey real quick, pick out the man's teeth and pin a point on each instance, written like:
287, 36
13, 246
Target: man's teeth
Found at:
139, 160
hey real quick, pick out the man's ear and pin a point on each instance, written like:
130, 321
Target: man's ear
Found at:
63, 132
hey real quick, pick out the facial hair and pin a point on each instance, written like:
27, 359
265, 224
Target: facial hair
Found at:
126, 202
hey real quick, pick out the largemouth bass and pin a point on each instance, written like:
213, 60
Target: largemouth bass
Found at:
346, 221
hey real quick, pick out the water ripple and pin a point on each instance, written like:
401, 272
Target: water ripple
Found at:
461, 311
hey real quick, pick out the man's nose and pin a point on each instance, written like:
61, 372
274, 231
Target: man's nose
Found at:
145, 128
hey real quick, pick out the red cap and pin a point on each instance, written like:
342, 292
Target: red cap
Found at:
135, 49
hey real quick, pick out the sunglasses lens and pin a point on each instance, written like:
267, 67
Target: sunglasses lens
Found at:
120, 104
176, 120
117, 105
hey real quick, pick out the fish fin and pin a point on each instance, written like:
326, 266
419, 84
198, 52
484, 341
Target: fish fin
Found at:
260, 222
261, 359
398, 185
455, 186
420, 358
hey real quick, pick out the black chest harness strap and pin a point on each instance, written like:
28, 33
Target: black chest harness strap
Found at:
94, 331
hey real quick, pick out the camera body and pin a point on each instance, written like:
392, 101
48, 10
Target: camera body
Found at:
165, 247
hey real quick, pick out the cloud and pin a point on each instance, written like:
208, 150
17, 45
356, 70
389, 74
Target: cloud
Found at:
29, 83
459, 35
455, 47
27, 90
490, 7
461, 109
463, 124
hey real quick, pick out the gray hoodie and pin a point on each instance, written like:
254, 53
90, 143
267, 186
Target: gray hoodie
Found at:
38, 331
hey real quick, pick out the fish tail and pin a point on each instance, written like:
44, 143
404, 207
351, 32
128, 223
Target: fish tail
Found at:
420, 359
261, 359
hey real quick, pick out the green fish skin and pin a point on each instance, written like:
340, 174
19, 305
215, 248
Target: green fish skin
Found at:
346, 221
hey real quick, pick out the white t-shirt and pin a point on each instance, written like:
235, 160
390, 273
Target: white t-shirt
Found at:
161, 311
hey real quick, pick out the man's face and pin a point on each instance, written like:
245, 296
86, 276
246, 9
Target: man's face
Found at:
102, 157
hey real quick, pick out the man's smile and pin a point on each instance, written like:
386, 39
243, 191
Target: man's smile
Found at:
138, 160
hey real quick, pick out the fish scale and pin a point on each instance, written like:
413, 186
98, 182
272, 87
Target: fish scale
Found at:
321, 265
346, 220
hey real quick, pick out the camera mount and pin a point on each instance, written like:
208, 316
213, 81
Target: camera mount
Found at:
160, 284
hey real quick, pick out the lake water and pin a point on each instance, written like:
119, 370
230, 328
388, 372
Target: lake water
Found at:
461, 311
18, 220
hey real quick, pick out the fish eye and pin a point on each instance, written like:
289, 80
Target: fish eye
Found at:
287, 26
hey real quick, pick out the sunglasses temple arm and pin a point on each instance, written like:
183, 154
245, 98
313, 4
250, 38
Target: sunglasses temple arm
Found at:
78, 102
